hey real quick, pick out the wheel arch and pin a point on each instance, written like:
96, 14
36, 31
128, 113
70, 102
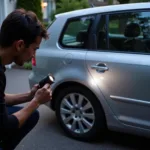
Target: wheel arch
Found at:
67, 84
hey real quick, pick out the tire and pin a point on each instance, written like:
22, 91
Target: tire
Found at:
98, 122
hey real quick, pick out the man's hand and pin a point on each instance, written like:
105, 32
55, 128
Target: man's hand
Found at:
33, 91
43, 95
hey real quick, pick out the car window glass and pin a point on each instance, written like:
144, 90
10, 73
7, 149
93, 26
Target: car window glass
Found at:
129, 32
75, 34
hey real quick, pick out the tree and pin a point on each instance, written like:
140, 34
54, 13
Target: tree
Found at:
70, 5
110, 2
33, 5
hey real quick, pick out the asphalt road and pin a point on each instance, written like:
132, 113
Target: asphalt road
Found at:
47, 135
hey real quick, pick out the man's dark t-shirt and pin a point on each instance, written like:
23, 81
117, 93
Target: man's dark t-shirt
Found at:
8, 122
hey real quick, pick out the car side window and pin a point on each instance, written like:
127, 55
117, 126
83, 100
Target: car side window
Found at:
129, 32
76, 31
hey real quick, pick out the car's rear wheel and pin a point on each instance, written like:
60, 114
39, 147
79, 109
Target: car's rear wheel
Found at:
80, 113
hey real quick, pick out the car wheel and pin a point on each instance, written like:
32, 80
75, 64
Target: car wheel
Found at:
79, 113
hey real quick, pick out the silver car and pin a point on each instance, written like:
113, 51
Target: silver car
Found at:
100, 58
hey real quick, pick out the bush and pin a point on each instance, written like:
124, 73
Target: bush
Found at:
52, 15
46, 24
27, 65
70, 5
33, 5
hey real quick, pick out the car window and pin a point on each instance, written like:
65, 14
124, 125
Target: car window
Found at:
75, 34
127, 32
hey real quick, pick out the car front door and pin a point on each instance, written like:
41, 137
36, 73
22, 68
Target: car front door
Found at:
121, 65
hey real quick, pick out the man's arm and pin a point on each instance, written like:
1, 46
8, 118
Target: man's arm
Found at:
15, 99
42, 96
24, 113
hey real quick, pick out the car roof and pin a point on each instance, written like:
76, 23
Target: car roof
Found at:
104, 9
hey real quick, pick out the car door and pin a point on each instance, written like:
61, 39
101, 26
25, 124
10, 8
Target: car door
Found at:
122, 72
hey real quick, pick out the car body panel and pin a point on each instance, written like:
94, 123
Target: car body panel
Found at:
125, 85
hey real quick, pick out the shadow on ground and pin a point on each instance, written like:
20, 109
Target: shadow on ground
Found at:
128, 141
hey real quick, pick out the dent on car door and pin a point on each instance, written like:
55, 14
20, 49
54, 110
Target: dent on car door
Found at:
123, 74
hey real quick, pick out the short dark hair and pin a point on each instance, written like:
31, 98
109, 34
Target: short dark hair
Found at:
21, 24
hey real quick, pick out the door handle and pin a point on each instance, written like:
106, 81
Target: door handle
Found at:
100, 67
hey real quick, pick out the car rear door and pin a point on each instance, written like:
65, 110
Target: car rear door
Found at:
122, 72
